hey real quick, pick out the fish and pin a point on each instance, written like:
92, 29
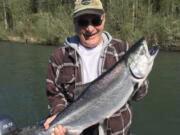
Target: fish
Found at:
106, 94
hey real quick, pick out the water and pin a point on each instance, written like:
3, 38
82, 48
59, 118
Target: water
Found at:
159, 112
22, 89
22, 82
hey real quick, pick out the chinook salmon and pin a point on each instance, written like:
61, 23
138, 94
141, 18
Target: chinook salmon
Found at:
105, 95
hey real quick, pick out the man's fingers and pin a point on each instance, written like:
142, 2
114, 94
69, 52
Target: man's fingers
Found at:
59, 130
48, 121
64, 130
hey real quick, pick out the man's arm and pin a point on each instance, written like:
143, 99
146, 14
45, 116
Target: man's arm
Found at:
56, 98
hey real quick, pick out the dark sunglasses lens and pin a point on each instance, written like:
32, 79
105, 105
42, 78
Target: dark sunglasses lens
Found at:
96, 21
83, 23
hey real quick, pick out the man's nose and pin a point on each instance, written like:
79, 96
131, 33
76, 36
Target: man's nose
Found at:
90, 28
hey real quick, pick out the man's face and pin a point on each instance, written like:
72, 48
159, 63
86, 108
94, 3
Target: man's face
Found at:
89, 28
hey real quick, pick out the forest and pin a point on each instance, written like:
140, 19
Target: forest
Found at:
49, 22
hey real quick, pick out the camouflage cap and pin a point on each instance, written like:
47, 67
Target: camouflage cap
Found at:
87, 7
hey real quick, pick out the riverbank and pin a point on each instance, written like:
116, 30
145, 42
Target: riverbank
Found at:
32, 40
51, 22
25, 40
173, 48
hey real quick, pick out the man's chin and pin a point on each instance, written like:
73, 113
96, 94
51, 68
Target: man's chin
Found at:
91, 45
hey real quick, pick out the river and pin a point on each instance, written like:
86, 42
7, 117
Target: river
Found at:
22, 89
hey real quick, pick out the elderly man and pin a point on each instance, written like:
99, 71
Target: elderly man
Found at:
82, 59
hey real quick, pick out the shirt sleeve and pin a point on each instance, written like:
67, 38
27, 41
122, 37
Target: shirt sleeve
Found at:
56, 97
141, 92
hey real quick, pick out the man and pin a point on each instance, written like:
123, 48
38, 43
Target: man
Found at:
82, 59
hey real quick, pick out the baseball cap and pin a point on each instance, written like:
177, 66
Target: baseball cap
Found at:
87, 7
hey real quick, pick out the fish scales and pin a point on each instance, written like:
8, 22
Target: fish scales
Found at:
90, 109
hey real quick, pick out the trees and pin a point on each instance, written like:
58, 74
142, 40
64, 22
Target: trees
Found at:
155, 19
50, 21
5, 14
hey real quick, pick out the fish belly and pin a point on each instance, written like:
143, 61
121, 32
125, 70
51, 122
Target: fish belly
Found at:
100, 101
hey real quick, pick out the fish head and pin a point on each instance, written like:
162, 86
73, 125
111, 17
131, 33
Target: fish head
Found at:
140, 59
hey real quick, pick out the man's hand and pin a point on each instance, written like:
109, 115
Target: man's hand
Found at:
58, 130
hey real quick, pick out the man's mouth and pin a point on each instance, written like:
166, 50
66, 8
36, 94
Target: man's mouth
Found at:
89, 36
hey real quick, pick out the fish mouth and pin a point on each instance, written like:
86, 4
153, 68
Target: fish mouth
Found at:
154, 50
135, 76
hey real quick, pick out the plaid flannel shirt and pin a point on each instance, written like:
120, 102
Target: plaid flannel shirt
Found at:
65, 74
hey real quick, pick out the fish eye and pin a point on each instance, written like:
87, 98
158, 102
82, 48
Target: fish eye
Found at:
142, 52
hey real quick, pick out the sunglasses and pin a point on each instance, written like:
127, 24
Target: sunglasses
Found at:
96, 21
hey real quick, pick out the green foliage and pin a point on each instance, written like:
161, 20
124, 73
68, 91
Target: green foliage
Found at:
52, 30
50, 21
3, 33
157, 20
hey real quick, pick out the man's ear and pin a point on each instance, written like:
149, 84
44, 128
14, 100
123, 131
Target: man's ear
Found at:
74, 20
104, 16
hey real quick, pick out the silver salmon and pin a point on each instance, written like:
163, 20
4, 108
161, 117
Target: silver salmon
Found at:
105, 95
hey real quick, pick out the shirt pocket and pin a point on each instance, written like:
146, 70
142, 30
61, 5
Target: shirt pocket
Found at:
66, 81
66, 76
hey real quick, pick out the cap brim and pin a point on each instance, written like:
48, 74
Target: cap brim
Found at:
88, 11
